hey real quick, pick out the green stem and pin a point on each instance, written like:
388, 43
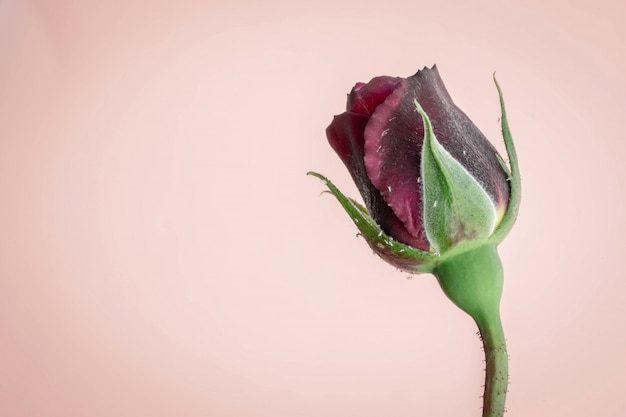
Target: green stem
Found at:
473, 281
497, 370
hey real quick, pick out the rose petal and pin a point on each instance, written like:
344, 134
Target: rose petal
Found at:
345, 135
364, 98
393, 139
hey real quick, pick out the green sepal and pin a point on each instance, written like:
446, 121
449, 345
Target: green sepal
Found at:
515, 185
402, 256
455, 206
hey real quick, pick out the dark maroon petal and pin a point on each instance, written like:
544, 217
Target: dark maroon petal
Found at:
345, 135
394, 138
364, 98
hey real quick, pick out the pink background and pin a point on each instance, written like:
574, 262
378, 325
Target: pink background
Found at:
162, 252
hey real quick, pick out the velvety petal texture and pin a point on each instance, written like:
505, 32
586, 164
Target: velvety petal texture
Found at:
380, 139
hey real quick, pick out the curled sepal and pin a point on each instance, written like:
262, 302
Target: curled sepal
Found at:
515, 184
404, 257
456, 207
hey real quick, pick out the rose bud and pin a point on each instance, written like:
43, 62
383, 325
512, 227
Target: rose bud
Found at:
432, 184
438, 197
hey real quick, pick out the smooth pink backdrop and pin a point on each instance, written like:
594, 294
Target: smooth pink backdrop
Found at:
162, 252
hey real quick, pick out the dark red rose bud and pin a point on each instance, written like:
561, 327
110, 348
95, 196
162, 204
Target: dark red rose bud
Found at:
428, 177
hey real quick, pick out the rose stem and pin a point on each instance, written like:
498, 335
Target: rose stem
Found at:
473, 281
497, 369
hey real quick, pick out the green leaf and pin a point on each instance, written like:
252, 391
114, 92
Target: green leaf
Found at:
456, 207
